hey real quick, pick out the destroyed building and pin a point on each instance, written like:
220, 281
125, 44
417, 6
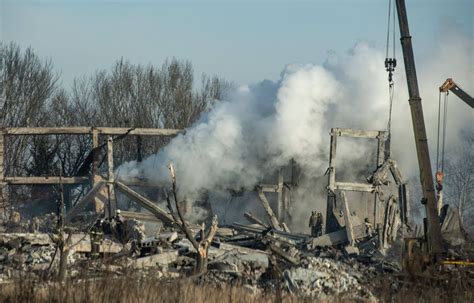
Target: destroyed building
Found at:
276, 224
361, 218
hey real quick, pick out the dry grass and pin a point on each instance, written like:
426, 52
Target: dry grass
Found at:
130, 290
137, 287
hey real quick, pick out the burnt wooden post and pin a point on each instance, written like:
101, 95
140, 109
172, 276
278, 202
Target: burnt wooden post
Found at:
381, 148
96, 178
139, 149
111, 207
286, 203
95, 155
381, 157
331, 198
347, 219
280, 206
99, 194
332, 161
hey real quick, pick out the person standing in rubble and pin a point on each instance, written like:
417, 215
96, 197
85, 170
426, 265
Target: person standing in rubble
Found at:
96, 235
316, 224
369, 229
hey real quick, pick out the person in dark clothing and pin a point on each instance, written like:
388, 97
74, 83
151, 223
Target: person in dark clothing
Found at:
316, 224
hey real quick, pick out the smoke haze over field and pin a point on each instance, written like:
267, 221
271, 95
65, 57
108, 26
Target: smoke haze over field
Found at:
260, 127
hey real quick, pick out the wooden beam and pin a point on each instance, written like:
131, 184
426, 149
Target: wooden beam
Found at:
252, 219
355, 133
146, 203
45, 180
95, 155
354, 187
93, 194
286, 202
332, 162
77, 130
347, 219
280, 196
83, 130
137, 182
380, 149
337, 237
110, 159
138, 131
111, 205
268, 188
274, 223
139, 216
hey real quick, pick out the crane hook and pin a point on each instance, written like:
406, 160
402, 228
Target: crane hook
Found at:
390, 64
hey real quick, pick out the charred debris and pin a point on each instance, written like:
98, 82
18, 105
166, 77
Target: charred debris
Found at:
347, 251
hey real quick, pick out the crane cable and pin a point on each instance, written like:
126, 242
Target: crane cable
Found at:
441, 140
390, 63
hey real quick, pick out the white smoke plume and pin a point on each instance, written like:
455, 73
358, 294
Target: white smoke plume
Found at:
260, 127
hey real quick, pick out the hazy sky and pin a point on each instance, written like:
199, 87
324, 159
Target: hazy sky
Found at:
243, 41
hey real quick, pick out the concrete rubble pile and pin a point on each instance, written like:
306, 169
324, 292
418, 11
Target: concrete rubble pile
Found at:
352, 251
258, 258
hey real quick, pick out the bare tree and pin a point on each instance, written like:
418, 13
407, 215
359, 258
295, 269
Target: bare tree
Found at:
459, 179
127, 95
146, 96
201, 247
26, 84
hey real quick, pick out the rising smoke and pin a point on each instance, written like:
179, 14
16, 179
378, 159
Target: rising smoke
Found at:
260, 127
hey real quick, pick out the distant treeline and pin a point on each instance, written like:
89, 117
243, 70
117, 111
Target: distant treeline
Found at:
126, 95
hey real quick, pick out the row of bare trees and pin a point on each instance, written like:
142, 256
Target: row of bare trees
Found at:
127, 95
459, 179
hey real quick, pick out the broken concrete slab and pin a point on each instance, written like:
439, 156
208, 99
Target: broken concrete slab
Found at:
338, 237
30, 238
81, 243
162, 259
